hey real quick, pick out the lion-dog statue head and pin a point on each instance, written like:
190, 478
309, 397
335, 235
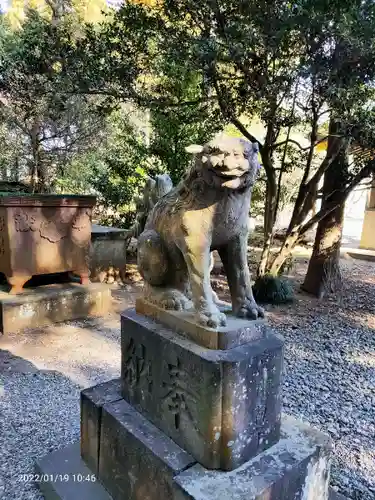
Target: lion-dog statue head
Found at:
226, 163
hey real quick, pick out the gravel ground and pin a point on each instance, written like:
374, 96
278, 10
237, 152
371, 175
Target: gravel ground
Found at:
329, 377
329, 381
41, 375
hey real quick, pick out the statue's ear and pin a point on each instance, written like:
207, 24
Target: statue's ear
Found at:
195, 149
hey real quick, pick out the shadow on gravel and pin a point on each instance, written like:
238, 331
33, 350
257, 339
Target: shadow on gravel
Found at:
39, 413
99, 326
11, 363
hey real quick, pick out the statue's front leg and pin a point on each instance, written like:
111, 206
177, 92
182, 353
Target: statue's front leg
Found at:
234, 259
197, 258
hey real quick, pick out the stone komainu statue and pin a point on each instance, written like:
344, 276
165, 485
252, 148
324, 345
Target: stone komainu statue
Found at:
154, 190
208, 210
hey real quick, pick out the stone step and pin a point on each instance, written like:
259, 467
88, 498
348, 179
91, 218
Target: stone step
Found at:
285, 472
80, 486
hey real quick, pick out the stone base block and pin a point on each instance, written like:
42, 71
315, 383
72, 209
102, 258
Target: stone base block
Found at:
237, 332
92, 402
139, 462
50, 304
297, 467
136, 460
221, 406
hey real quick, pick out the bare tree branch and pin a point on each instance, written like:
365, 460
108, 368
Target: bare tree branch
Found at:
289, 141
365, 172
330, 156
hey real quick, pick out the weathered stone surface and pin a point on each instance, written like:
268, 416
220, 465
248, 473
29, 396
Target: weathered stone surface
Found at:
223, 407
297, 468
51, 304
92, 402
208, 210
137, 461
238, 331
333, 495
63, 475
68, 465
108, 254
153, 190
43, 234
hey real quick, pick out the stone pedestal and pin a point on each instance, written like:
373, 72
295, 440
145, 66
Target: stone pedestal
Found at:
46, 305
222, 406
188, 422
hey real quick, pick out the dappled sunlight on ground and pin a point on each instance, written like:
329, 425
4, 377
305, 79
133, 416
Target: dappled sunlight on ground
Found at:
71, 349
328, 378
364, 359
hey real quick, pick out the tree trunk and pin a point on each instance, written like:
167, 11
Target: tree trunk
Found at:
283, 253
323, 274
37, 170
262, 268
269, 214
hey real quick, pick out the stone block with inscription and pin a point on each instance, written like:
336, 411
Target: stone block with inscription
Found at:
222, 406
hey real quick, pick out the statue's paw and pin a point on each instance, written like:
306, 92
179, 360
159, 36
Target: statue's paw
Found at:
175, 301
211, 316
250, 310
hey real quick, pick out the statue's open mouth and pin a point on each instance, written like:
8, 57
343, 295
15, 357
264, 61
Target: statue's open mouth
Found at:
230, 174
231, 179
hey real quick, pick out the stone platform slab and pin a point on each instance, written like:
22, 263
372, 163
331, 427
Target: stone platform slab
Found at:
46, 305
297, 468
68, 459
359, 253
237, 332
221, 406
139, 462
63, 475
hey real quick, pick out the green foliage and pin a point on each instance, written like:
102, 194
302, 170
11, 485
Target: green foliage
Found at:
84, 10
195, 67
118, 169
289, 64
44, 124
127, 163
76, 142
175, 128
78, 174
